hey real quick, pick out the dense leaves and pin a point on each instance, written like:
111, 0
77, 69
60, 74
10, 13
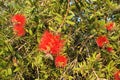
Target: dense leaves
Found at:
73, 30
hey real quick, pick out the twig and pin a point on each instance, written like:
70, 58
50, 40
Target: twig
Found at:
95, 74
21, 46
71, 65
38, 73
68, 7
88, 38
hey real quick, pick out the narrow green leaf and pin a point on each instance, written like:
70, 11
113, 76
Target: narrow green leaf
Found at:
70, 22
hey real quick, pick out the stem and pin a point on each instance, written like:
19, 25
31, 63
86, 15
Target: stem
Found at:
68, 7
95, 74
38, 73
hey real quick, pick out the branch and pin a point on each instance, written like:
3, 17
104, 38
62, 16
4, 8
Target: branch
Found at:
68, 7
95, 74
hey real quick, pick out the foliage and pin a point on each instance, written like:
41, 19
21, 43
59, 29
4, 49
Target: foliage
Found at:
79, 22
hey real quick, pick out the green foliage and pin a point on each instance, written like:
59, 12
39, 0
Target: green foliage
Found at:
78, 21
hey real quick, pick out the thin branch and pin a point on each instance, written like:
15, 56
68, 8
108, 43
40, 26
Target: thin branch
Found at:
95, 74
38, 73
71, 65
21, 46
68, 7
84, 42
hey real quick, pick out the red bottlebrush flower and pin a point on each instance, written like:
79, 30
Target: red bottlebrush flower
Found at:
117, 75
109, 26
19, 30
101, 40
19, 19
60, 61
50, 43
109, 49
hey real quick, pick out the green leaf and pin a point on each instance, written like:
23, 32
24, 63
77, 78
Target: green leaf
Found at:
30, 32
70, 16
9, 71
58, 19
114, 37
51, 28
101, 23
17, 69
58, 15
70, 22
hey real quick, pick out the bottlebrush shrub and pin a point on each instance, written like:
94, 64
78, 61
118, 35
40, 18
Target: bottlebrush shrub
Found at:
60, 61
19, 19
19, 30
82, 25
117, 75
109, 49
101, 41
110, 25
50, 43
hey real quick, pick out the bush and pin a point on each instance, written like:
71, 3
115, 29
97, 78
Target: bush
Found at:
83, 41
